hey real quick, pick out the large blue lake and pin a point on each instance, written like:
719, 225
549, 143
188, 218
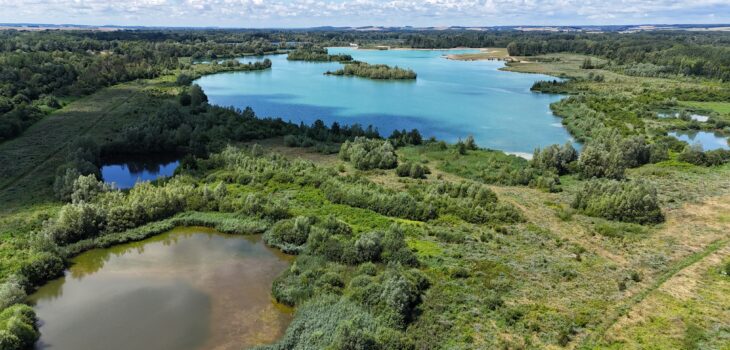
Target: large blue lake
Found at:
449, 100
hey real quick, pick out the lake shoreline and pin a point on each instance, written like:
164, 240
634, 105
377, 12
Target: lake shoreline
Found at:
286, 92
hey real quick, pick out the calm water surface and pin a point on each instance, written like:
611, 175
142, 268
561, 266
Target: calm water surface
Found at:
191, 288
125, 173
450, 99
709, 140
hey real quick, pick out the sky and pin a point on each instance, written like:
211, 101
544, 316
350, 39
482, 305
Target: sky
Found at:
313, 13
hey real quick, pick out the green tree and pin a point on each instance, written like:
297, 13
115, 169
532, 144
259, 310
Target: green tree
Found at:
197, 96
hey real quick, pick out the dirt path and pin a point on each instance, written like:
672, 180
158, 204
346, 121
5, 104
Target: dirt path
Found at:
702, 229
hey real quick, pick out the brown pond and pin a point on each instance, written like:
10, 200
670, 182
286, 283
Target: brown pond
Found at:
190, 288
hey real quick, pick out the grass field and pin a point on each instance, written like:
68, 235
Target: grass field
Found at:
490, 53
719, 107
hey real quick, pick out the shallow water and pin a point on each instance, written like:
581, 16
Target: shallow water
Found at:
709, 140
449, 100
190, 288
695, 117
125, 173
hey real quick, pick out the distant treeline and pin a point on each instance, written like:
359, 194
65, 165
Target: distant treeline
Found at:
645, 54
316, 54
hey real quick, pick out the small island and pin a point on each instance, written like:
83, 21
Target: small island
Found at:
316, 54
374, 71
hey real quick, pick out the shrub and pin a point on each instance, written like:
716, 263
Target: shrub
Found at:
695, 155
555, 158
395, 249
184, 80
608, 155
366, 154
197, 96
635, 201
470, 144
368, 247
598, 161
11, 292
360, 193
42, 268
86, 188
413, 170
289, 235
76, 222
18, 329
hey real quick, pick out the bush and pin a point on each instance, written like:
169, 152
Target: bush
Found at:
598, 161
308, 276
555, 158
184, 80
413, 170
42, 268
635, 202
360, 193
18, 327
82, 159
289, 235
86, 188
11, 292
695, 155
368, 247
608, 155
76, 222
366, 154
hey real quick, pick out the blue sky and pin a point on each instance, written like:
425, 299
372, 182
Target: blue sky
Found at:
309, 13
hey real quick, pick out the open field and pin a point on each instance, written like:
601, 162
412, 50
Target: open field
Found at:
719, 107
490, 53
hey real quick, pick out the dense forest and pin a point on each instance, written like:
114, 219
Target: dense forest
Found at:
39, 70
398, 242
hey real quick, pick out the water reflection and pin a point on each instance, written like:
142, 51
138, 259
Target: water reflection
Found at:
191, 288
125, 172
708, 140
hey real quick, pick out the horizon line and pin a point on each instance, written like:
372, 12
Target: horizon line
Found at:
30, 24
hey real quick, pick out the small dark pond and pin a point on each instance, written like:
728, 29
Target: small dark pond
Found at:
125, 172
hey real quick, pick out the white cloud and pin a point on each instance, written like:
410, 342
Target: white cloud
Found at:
263, 13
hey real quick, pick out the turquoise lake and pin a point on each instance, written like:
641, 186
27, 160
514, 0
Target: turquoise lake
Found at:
449, 100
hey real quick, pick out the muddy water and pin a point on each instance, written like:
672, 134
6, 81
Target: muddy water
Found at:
190, 288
